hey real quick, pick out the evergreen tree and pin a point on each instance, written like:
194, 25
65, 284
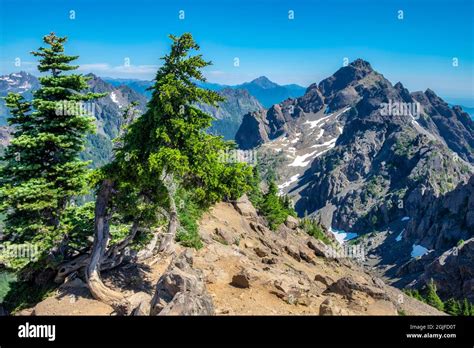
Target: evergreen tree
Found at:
452, 307
42, 172
466, 308
432, 297
170, 139
274, 207
165, 150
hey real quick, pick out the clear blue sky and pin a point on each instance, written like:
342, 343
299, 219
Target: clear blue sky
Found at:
417, 50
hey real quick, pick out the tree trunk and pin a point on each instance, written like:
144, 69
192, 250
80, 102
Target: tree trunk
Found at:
149, 250
113, 257
101, 238
167, 244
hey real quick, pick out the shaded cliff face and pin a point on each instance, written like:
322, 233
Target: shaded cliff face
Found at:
229, 113
454, 126
452, 272
442, 222
444, 225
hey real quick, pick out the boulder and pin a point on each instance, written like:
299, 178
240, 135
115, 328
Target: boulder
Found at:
290, 293
293, 252
139, 304
320, 249
292, 222
185, 303
347, 285
181, 290
269, 260
245, 207
241, 280
260, 252
324, 279
226, 236
328, 307
306, 256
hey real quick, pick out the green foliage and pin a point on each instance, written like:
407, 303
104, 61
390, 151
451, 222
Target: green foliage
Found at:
451, 306
167, 149
78, 224
26, 294
189, 213
315, 230
255, 194
275, 208
460, 242
375, 186
466, 308
6, 278
415, 294
42, 172
432, 297
403, 146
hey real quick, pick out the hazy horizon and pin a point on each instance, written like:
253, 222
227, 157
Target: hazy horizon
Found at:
290, 42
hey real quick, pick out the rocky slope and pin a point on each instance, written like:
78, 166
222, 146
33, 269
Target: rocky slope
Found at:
245, 269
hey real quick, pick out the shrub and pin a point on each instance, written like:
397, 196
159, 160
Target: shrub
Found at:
275, 208
315, 230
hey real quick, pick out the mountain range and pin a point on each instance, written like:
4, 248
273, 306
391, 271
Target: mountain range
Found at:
265, 91
367, 159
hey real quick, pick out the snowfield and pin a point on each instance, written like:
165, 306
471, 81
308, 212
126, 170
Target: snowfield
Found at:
418, 250
342, 236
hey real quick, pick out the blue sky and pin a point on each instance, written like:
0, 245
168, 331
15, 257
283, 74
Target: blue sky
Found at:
417, 50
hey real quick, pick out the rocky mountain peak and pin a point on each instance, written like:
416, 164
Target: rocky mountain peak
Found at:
361, 64
264, 82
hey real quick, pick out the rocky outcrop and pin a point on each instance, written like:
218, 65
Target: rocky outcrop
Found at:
181, 290
288, 272
241, 280
451, 124
452, 272
265, 125
440, 223
346, 286
139, 304
252, 131
328, 307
